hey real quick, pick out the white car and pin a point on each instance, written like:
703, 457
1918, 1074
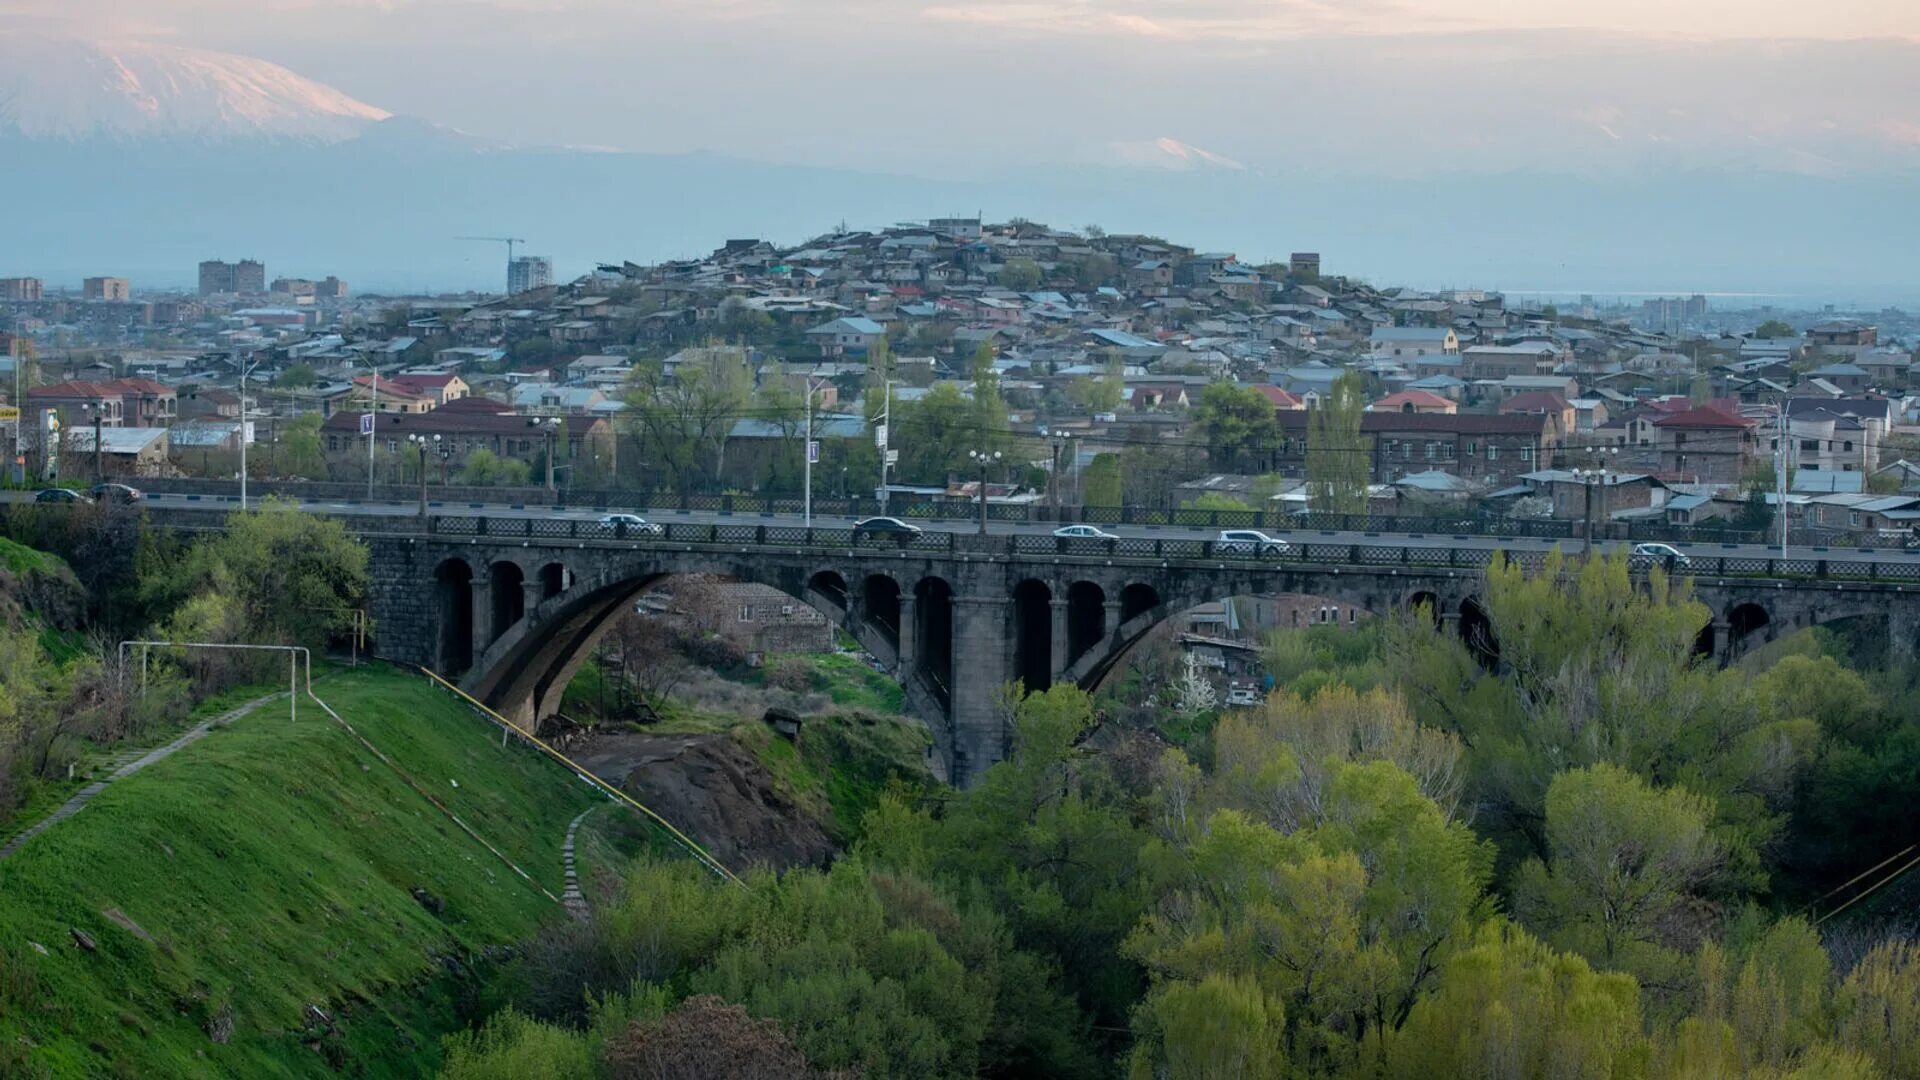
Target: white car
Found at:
1083, 532
1249, 542
630, 523
1647, 556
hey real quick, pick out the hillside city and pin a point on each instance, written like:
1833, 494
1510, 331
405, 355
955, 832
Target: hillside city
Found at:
1097, 343
955, 650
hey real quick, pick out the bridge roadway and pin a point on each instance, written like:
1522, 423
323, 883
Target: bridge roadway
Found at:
395, 509
513, 599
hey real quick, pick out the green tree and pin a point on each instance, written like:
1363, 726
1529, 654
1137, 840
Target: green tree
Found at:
1339, 457
296, 377
1773, 328
299, 450
682, 420
1238, 424
1622, 859
511, 1046
742, 325
933, 435
989, 407
1020, 274
1219, 1028
1100, 481
289, 577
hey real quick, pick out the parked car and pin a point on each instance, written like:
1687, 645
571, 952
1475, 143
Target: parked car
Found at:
117, 493
1249, 542
630, 523
884, 526
1648, 556
1083, 532
60, 495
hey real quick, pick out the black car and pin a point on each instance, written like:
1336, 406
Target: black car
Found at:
61, 495
117, 493
884, 526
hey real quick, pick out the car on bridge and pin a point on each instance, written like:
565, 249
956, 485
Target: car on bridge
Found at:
630, 524
1666, 557
884, 526
65, 496
117, 493
1083, 532
1250, 542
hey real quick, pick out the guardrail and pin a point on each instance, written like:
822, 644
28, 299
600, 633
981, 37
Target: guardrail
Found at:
1297, 552
926, 508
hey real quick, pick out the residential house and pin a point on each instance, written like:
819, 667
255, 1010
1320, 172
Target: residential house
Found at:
124, 451
1835, 435
1413, 341
1478, 447
1500, 361
849, 336
1583, 496
1559, 412
387, 396
440, 388
78, 402
1415, 401
1850, 378
1707, 442
1843, 334
464, 426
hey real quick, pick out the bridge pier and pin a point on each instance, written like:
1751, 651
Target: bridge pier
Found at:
1059, 644
980, 669
482, 615
908, 635
1902, 627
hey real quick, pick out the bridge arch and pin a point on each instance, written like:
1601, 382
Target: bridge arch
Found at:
1086, 618
1033, 634
508, 592
453, 609
933, 632
553, 580
1743, 620
880, 602
1476, 630
1137, 598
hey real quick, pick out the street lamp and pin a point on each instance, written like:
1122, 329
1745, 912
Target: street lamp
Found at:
1588, 477
985, 459
547, 428
1062, 440
99, 411
420, 443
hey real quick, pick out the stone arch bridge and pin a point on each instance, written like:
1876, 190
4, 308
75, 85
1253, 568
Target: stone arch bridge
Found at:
513, 606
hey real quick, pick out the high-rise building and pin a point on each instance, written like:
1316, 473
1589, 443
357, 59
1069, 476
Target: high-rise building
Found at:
528, 272
20, 288
250, 277
106, 288
216, 277
331, 288
247, 276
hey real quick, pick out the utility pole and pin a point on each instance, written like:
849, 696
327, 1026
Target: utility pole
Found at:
373, 428
885, 441
806, 499
1780, 476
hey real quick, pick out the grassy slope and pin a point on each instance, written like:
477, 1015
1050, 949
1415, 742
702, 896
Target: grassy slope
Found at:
285, 879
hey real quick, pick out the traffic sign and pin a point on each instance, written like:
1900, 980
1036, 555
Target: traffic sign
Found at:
366, 423
813, 451
8, 412
880, 436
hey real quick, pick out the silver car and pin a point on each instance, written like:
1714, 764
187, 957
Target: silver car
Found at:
629, 525
1666, 557
1083, 532
1250, 542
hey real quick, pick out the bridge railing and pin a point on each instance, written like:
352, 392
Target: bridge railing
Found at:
1300, 552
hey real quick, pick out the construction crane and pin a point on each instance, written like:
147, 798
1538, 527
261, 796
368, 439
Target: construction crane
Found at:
507, 240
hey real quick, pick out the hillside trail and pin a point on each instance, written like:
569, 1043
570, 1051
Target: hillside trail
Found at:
85, 795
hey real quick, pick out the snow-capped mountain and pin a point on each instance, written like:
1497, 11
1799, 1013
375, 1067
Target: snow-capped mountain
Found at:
69, 88
1171, 154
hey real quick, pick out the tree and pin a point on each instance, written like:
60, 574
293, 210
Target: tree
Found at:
1020, 274
1622, 859
683, 419
1773, 328
1100, 481
296, 377
989, 408
1223, 1027
1239, 425
933, 435
742, 325
1339, 457
292, 578
1192, 693
513, 1047
299, 450
705, 1038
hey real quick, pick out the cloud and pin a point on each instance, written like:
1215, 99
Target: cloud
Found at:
1199, 20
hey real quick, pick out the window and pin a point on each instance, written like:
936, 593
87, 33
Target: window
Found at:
746, 612
333, 442
1472, 448
1853, 518
1847, 446
1810, 445
1493, 452
1353, 616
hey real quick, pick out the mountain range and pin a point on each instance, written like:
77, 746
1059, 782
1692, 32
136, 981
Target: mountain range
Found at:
139, 159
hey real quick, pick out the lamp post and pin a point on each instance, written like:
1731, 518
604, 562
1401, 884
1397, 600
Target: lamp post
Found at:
245, 370
420, 443
547, 428
1062, 441
1588, 477
984, 459
99, 411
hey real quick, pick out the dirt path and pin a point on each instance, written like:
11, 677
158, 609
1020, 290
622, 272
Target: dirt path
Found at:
85, 795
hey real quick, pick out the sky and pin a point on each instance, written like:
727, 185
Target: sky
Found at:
972, 88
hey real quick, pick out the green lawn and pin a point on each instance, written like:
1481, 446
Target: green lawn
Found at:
273, 865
